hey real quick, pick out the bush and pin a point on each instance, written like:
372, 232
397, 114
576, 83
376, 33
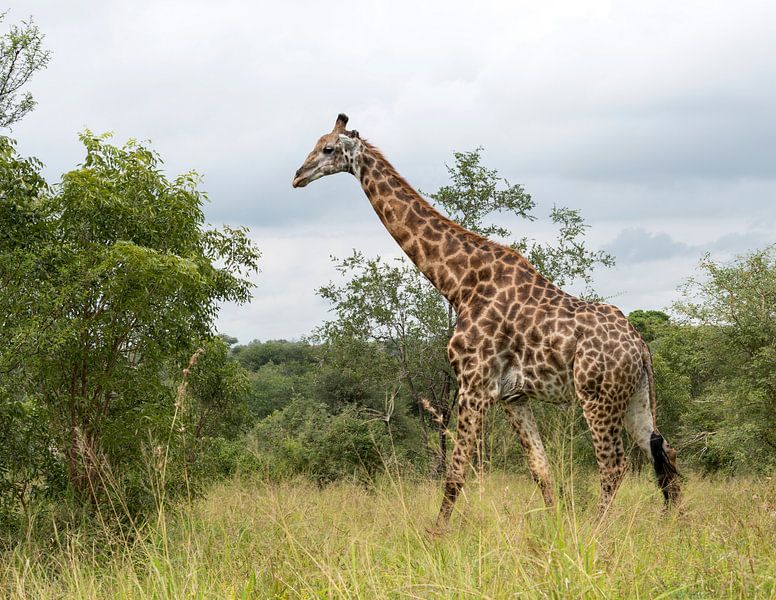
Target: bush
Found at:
304, 438
223, 458
271, 388
108, 283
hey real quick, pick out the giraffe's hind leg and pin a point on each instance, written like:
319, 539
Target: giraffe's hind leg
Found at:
606, 432
642, 429
521, 417
604, 385
603, 407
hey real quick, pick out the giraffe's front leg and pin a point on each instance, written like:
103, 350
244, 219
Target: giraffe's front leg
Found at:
470, 416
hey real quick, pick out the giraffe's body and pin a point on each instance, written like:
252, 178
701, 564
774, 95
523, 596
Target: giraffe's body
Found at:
518, 337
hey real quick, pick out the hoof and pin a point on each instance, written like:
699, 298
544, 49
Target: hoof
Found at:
436, 531
675, 507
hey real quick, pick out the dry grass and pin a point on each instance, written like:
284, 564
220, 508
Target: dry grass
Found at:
293, 540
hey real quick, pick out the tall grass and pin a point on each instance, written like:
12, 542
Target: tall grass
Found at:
253, 539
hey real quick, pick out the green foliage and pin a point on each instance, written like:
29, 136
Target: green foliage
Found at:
305, 438
110, 280
272, 387
216, 404
21, 55
223, 458
337, 422
733, 311
476, 193
24, 456
326, 421
673, 389
391, 330
279, 369
568, 259
714, 366
341, 388
296, 357
649, 323
394, 308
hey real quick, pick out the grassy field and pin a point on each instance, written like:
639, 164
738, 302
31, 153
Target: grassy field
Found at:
294, 540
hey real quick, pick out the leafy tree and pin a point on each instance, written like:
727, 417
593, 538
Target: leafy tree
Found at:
569, 259
105, 300
24, 455
476, 193
649, 323
296, 357
24, 229
218, 394
732, 313
279, 370
272, 387
341, 388
21, 55
392, 327
229, 340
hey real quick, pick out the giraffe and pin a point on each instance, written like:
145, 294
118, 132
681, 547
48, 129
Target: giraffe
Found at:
518, 337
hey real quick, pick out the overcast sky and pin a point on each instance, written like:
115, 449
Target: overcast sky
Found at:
655, 119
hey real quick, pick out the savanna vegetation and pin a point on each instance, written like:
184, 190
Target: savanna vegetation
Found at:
142, 454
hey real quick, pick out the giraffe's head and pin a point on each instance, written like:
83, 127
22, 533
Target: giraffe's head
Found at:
334, 152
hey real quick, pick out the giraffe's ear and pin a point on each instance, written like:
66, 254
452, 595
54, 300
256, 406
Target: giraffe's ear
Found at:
342, 120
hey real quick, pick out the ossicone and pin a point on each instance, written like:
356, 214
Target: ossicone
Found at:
342, 120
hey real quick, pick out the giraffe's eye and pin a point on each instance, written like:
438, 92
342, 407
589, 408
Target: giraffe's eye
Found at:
328, 150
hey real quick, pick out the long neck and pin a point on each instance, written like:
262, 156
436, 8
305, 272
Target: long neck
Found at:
454, 259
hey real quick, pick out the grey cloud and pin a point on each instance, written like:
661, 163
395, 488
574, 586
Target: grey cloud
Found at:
739, 243
645, 116
691, 199
576, 94
636, 245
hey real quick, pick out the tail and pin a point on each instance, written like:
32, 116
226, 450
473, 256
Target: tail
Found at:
664, 459
663, 455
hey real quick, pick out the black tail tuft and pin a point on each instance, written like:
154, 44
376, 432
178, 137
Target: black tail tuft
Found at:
664, 459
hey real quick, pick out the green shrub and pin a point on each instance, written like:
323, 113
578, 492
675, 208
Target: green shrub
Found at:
304, 438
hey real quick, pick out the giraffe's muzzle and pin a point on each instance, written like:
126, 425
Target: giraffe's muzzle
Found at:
299, 179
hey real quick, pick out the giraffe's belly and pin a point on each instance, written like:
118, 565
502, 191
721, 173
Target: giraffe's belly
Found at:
539, 367
537, 383
557, 388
